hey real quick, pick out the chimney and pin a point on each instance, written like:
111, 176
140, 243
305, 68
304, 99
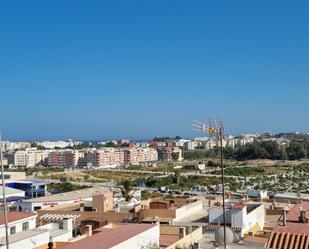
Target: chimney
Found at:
82, 207
303, 216
88, 230
284, 217
182, 232
68, 224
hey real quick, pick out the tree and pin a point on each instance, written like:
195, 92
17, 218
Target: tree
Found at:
145, 195
126, 187
110, 144
274, 150
296, 150
177, 177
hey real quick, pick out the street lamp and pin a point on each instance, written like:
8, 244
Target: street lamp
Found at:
215, 129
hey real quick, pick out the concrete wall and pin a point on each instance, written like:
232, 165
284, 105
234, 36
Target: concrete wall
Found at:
243, 221
169, 229
188, 239
62, 237
16, 176
237, 219
110, 216
104, 202
216, 215
30, 243
148, 237
255, 216
163, 213
189, 209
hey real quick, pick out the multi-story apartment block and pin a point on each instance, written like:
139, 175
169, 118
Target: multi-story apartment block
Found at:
90, 158
17, 158
30, 158
109, 157
140, 155
79, 158
165, 154
61, 158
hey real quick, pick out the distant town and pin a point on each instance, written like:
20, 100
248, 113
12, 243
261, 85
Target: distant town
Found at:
123, 153
67, 194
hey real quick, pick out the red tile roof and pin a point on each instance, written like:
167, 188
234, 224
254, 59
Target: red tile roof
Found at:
239, 206
293, 225
295, 235
15, 216
108, 237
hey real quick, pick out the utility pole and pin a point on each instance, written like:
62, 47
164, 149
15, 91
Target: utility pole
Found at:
4, 198
215, 128
223, 186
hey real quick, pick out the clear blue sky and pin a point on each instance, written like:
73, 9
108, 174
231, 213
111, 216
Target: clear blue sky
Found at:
137, 69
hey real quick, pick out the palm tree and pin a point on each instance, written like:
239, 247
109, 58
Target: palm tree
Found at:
126, 187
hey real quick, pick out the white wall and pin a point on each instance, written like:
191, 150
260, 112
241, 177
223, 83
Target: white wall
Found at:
19, 225
30, 243
255, 216
188, 209
244, 221
237, 219
216, 214
29, 206
141, 240
64, 237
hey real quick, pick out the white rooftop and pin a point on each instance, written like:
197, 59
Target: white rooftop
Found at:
11, 191
73, 195
292, 195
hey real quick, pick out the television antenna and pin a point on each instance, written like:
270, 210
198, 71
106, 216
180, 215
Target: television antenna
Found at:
215, 129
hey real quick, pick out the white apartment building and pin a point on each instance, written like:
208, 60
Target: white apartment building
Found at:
190, 145
23, 233
180, 142
19, 158
18, 222
29, 157
242, 218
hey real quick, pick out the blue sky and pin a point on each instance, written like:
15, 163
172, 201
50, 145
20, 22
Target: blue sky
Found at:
138, 69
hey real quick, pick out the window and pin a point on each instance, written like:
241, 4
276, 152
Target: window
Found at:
25, 226
12, 230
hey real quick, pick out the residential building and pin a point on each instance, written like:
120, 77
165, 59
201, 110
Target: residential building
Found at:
292, 230
62, 199
61, 158
24, 234
17, 222
135, 236
243, 218
190, 145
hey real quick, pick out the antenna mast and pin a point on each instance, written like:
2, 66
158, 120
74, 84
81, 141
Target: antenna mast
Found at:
215, 128
4, 198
